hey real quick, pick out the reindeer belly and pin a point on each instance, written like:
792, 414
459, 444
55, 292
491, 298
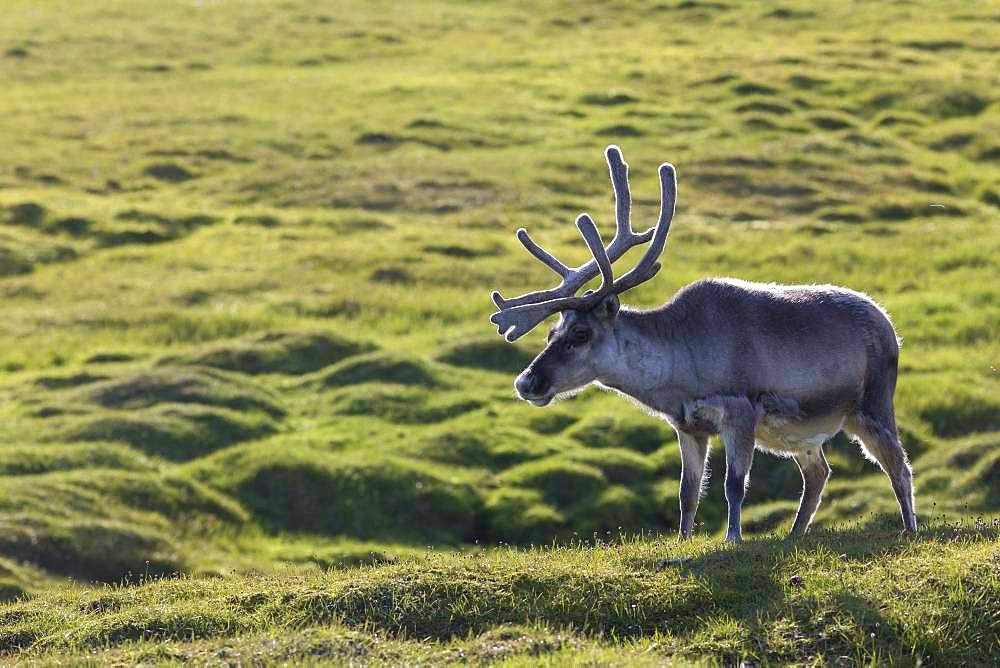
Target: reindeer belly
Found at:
786, 436
779, 424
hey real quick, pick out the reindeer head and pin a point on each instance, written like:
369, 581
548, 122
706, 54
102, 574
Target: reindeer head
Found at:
584, 335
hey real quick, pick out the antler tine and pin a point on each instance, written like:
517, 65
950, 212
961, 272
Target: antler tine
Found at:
573, 279
549, 261
623, 200
543, 255
546, 258
516, 321
519, 315
588, 229
623, 195
648, 265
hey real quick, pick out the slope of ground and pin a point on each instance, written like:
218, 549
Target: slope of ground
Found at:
874, 599
246, 253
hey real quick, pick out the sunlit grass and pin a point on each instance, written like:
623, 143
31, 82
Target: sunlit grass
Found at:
246, 253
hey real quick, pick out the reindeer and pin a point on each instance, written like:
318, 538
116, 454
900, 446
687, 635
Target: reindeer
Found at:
782, 368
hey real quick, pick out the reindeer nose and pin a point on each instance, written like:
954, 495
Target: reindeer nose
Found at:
530, 384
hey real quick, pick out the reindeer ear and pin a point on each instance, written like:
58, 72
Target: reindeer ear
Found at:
608, 309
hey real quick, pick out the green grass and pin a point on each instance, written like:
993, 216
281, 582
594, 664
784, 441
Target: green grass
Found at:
249, 383
873, 599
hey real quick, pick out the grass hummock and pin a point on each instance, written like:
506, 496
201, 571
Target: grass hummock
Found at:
253, 408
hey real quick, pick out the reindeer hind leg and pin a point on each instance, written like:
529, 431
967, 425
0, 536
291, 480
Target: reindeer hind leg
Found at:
880, 443
815, 472
874, 424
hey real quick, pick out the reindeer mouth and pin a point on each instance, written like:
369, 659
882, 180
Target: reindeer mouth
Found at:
540, 401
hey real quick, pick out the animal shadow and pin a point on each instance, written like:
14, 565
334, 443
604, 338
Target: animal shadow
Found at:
762, 583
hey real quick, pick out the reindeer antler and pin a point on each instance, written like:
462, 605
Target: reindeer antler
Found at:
520, 315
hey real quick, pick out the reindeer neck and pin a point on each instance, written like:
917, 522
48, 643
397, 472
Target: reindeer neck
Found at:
646, 363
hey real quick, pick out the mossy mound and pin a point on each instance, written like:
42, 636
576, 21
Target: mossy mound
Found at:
773, 516
521, 516
56, 382
773, 478
401, 404
362, 495
618, 465
487, 354
473, 445
963, 415
959, 456
106, 525
184, 385
173, 496
22, 250
554, 592
172, 412
30, 214
982, 477
962, 409
346, 553
14, 261
552, 422
45, 458
381, 368
134, 226
122, 495
90, 549
15, 580
631, 430
614, 510
560, 481
576, 491
173, 431
276, 352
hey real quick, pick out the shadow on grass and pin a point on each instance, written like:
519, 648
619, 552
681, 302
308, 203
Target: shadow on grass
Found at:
764, 585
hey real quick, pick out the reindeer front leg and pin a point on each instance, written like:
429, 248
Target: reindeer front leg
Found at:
735, 418
738, 422
694, 454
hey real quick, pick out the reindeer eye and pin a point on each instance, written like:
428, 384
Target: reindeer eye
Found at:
581, 336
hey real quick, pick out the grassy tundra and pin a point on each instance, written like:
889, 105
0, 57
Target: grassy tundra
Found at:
252, 405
